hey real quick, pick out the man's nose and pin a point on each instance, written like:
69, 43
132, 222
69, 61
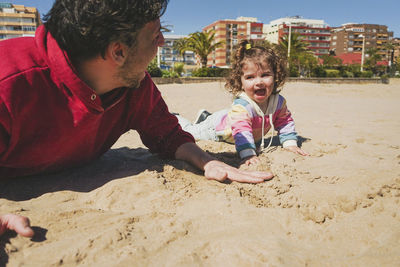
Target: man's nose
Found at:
161, 40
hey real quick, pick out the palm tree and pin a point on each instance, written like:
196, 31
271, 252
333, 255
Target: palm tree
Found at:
297, 45
390, 56
202, 43
373, 58
299, 57
180, 45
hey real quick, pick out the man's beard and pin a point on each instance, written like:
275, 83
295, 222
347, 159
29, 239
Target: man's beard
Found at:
130, 79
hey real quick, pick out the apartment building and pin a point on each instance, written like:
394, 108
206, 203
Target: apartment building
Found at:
396, 50
231, 32
350, 38
18, 21
169, 56
316, 33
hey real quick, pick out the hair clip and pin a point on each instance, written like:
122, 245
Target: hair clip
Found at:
248, 46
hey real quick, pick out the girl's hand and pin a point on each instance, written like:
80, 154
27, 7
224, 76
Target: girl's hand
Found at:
297, 150
250, 160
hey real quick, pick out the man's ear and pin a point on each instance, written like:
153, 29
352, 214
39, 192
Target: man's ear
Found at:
117, 52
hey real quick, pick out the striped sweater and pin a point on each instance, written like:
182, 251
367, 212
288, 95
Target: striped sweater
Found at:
243, 124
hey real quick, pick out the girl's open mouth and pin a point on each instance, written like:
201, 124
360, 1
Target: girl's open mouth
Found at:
260, 92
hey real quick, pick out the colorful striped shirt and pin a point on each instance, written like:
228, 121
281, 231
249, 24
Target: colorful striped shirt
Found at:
242, 125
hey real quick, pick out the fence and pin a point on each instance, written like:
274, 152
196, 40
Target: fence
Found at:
159, 80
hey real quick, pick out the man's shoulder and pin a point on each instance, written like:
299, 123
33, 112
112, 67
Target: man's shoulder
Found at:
19, 55
148, 87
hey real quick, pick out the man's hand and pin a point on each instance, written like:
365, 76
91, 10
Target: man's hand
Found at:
297, 150
217, 170
19, 224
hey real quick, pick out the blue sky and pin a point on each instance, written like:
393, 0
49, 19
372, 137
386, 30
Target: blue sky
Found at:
188, 16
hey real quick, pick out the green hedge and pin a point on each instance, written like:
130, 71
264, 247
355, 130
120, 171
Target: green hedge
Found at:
210, 72
367, 74
332, 73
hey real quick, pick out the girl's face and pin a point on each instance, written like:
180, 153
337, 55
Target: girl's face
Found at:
257, 81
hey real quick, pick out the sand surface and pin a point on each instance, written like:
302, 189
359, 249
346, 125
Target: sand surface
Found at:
338, 207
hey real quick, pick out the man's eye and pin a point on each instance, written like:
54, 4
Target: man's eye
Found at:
165, 28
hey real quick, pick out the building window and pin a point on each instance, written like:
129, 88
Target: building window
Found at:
29, 28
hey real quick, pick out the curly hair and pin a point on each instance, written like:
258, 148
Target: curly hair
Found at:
259, 55
84, 28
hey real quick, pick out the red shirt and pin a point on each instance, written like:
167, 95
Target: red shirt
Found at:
50, 119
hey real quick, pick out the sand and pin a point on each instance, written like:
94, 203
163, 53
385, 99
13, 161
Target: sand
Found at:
338, 207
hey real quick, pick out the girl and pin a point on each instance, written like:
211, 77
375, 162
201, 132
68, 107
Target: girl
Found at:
256, 75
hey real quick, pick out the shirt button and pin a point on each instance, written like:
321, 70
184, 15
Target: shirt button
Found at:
93, 97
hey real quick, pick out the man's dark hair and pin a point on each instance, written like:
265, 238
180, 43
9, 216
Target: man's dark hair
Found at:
84, 28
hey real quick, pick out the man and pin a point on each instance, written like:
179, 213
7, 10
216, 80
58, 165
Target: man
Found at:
70, 92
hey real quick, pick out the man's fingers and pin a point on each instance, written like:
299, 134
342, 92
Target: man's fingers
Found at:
257, 174
219, 171
250, 177
19, 224
246, 179
263, 175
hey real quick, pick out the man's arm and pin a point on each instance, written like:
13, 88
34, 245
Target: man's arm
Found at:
19, 224
217, 170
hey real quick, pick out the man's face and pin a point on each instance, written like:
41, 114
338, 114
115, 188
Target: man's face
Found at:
149, 38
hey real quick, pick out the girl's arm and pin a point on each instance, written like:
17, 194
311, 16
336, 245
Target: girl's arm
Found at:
284, 123
242, 131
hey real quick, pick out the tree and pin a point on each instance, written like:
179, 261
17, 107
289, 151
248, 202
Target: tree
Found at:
300, 57
202, 43
390, 47
297, 45
180, 45
331, 61
306, 63
153, 69
179, 68
264, 43
372, 60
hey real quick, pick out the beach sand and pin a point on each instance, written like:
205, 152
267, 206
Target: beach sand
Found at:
338, 207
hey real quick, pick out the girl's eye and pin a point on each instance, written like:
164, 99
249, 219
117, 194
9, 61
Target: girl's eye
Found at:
267, 74
249, 77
